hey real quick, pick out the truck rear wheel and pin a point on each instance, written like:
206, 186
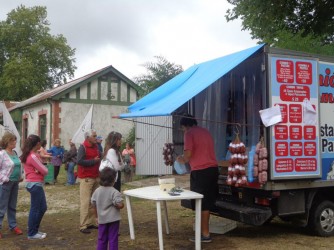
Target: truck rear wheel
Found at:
321, 220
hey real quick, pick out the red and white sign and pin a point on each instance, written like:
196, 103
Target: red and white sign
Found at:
284, 165
284, 71
309, 132
296, 132
310, 149
296, 148
303, 72
284, 112
295, 113
306, 164
281, 149
281, 132
295, 139
294, 93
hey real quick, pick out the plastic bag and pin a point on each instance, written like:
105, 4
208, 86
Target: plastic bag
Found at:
181, 168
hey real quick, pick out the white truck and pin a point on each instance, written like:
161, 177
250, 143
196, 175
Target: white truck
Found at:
283, 98
299, 139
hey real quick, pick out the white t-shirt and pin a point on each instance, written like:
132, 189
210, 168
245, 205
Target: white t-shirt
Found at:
113, 158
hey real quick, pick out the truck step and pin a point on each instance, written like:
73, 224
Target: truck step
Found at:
250, 215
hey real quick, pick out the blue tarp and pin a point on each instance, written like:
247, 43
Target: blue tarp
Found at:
177, 91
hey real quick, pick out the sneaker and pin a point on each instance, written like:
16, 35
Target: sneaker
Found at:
204, 239
93, 227
17, 231
85, 231
37, 236
42, 233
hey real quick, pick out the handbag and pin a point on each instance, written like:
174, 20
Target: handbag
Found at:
105, 163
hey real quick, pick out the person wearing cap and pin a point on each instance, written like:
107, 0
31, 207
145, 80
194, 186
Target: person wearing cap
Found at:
99, 140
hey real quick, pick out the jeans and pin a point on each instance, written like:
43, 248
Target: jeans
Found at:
70, 173
37, 208
8, 201
56, 172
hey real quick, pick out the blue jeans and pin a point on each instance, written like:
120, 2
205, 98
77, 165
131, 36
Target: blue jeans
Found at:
37, 208
8, 201
70, 173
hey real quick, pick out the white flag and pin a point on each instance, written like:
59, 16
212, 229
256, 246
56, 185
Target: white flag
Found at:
2, 130
9, 125
79, 136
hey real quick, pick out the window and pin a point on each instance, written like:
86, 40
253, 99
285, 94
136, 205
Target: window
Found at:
42, 127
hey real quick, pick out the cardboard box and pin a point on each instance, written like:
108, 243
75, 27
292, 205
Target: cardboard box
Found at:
166, 184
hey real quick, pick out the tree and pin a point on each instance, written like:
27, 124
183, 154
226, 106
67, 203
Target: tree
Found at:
31, 59
274, 21
157, 74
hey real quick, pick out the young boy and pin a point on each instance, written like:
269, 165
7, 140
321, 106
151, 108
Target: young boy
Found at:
107, 202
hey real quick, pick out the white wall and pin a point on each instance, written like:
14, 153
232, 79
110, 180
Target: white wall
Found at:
72, 115
150, 140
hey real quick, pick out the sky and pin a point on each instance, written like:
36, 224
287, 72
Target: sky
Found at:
129, 33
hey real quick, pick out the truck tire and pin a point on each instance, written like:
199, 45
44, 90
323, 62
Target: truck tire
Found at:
321, 220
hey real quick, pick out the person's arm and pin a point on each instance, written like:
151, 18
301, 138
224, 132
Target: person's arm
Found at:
81, 158
185, 157
93, 203
44, 154
119, 205
118, 201
38, 165
50, 150
4, 172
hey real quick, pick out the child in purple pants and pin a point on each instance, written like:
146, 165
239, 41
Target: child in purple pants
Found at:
107, 202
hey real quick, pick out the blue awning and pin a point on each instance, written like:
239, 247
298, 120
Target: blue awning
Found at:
177, 91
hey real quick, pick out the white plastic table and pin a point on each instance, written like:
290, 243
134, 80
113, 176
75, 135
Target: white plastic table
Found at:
154, 193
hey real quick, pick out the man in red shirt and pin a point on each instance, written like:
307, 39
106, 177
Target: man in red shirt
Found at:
88, 172
200, 154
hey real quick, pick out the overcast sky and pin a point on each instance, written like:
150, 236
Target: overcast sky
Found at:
128, 33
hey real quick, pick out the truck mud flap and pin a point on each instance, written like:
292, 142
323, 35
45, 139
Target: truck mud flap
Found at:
250, 215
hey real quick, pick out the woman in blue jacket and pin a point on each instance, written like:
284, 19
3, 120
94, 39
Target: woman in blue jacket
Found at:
57, 157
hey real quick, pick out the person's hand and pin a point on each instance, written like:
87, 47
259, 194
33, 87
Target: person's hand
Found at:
180, 159
97, 159
97, 220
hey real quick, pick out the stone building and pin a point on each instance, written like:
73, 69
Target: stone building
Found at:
58, 113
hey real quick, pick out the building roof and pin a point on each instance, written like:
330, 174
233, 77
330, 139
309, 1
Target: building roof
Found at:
53, 93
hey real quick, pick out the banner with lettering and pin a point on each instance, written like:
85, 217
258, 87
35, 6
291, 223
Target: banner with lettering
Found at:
295, 140
326, 92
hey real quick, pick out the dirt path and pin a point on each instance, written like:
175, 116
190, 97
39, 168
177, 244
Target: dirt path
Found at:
62, 219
